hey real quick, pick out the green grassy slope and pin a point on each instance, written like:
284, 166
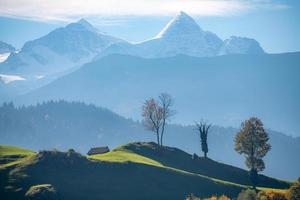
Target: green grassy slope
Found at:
132, 171
76, 177
10, 155
176, 158
125, 156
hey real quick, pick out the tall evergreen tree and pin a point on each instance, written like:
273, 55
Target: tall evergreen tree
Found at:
252, 141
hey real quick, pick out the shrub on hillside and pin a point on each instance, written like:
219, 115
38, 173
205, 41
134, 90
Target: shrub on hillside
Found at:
247, 195
223, 197
294, 191
271, 195
192, 197
38, 192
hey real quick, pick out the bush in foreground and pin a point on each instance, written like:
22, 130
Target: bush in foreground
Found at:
40, 192
193, 197
271, 195
294, 191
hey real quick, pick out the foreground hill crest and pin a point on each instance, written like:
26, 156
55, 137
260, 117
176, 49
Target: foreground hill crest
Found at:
106, 176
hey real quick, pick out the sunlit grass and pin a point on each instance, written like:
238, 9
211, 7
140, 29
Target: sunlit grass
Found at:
120, 155
272, 189
11, 150
10, 155
124, 156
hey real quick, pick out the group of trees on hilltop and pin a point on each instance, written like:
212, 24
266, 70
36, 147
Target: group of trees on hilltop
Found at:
251, 141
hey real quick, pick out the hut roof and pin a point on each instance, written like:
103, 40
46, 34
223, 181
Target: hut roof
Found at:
98, 150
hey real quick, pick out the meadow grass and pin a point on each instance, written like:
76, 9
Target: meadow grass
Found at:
125, 156
11, 155
6, 150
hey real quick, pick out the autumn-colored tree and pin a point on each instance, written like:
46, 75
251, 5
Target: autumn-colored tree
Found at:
294, 191
156, 113
271, 195
247, 194
252, 141
192, 197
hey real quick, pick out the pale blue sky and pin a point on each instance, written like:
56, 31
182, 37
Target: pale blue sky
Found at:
274, 23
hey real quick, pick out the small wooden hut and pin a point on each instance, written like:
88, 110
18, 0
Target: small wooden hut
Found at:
98, 150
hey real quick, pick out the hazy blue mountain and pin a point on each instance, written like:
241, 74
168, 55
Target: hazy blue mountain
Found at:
66, 49
5, 51
6, 48
58, 51
224, 89
79, 126
182, 35
42, 60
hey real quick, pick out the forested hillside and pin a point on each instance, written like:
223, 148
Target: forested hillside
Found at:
65, 125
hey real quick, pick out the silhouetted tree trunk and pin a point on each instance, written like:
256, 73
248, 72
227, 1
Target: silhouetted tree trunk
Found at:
203, 128
157, 137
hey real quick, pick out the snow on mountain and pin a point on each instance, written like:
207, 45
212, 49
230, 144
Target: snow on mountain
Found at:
10, 78
182, 24
5, 51
3, 57
6, 48
182, 35
240, 45
66, 49
58, 51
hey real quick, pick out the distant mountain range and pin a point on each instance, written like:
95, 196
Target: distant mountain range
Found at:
69, 47
66, 49
182, 35
223, 89
58, 51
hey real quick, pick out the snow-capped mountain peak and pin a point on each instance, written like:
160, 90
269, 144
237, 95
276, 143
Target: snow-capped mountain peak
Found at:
240, 45
87, 25
181, 23
60, 50
182, 35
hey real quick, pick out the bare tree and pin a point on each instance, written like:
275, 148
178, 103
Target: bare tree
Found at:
203, 128
152, 115
156, 113
166, 102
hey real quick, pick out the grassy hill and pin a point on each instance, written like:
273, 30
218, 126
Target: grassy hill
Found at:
132, 171
64, 125
10, 155
178, 159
